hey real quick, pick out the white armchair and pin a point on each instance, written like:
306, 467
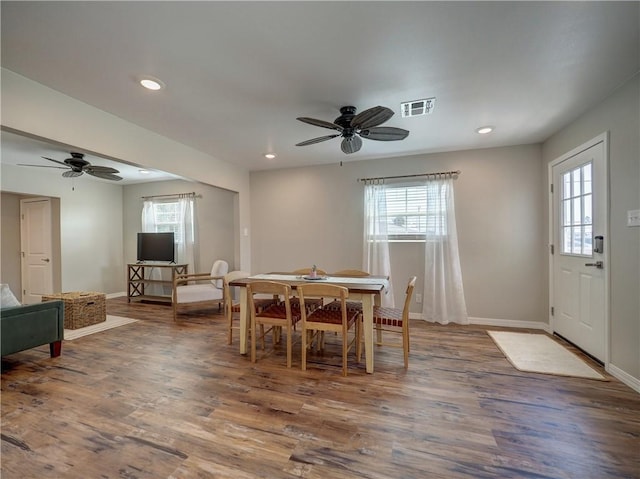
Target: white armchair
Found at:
199, 287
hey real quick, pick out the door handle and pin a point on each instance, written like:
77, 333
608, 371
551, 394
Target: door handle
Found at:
597, 264
46, 260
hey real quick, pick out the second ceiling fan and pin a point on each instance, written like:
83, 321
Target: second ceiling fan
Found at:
352, 127
77, 166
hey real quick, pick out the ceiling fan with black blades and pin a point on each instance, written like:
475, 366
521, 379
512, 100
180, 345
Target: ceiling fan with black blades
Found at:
352, 127
77, 165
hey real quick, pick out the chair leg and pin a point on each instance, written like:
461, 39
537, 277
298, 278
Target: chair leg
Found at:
230, 332
405, 347
378, 334
359, 346
358, 338
262, 335
304, 349
345, 349
254, 338
289, 347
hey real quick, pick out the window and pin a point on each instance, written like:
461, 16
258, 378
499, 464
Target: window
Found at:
167, 218
576, 221
414, 212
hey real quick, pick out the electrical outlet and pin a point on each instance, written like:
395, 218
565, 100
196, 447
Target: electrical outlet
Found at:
633, 218
418, 298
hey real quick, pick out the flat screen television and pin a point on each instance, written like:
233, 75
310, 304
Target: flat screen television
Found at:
156, 247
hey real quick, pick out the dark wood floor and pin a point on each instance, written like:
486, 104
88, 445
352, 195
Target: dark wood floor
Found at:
158, 399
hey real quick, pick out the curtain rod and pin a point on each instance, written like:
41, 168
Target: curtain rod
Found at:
192, 194
442, 173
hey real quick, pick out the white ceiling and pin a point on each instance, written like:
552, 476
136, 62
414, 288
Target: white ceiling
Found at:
238, 74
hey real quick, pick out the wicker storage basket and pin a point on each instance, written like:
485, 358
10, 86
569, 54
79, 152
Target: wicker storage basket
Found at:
81, 308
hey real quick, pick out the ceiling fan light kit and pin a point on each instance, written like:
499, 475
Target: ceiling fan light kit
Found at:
352, 127
77, 166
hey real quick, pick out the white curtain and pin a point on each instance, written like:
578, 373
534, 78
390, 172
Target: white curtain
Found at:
443, 298
148, 217
376, 244
185, 251
186, 245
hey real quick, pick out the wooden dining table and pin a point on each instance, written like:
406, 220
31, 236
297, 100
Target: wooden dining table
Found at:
368, 290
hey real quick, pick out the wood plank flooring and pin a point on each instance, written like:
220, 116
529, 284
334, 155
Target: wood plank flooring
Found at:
158, 399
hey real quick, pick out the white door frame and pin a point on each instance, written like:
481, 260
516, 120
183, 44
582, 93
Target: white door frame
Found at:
604, 139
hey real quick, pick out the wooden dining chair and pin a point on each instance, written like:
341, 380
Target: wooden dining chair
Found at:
311, 303
278, 317
348, 273
231, 307
315, 323
394, 320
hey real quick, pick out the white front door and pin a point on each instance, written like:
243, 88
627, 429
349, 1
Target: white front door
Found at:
36, 246
580, 248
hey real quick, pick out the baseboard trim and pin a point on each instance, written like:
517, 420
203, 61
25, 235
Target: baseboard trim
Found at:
116, 295
503, 323
510, 323
616, 372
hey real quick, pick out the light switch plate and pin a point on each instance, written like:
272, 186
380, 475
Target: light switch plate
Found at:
633, 218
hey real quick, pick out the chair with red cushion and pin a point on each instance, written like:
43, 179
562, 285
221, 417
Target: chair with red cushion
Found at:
316, 322
348, 273
232, 307
279, 317
394, 320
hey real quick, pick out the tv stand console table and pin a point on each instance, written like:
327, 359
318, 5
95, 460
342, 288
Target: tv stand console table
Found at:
138, 276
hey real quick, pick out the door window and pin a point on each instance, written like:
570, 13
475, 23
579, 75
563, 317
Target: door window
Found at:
576, 211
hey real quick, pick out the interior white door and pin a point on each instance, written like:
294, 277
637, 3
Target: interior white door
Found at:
36, 245
579, 280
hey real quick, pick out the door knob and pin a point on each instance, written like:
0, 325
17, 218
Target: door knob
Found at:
597, 264
46, 260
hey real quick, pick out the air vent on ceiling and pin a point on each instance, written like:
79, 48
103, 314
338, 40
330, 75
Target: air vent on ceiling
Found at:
418, 107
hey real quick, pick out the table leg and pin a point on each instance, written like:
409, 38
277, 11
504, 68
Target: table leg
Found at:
367, 319
244, 320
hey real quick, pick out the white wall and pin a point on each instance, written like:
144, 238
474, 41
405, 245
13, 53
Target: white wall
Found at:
90, 225
214, 208
620, 116
305, 216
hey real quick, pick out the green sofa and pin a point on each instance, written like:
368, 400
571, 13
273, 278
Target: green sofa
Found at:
28, 326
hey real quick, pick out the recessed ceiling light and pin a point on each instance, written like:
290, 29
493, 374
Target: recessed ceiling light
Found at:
144, 172
483, 130
151, 83
271, 156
